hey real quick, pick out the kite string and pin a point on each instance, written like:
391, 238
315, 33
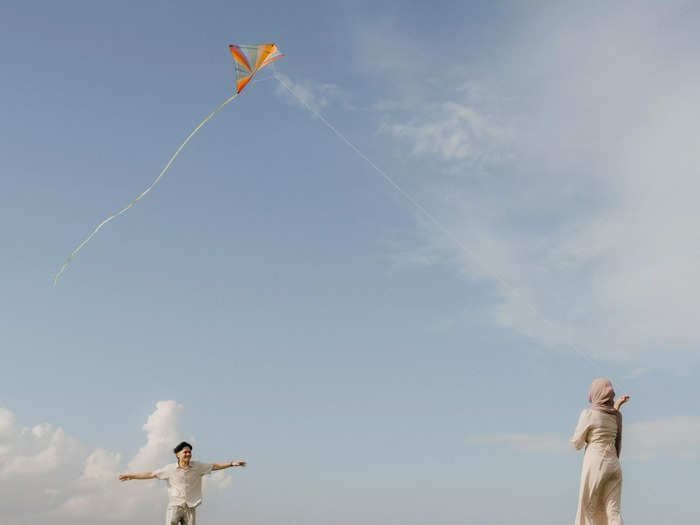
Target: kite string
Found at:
145, 192
430, 216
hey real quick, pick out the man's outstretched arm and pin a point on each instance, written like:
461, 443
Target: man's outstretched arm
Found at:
144, 475
219, 466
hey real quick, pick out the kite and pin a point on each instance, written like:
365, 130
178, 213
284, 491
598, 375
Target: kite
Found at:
244, 56
248, 59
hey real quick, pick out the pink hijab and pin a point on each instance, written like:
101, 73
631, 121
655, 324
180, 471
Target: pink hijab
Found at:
601, 396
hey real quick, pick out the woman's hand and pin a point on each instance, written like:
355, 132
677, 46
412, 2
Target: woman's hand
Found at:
621, 401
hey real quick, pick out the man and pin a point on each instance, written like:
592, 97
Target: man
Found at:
184, 483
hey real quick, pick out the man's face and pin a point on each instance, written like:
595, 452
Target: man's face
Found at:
184, 455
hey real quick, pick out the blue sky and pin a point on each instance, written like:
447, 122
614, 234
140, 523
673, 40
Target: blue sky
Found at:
275, 299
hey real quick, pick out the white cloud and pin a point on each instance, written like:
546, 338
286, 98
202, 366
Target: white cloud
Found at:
586, 223
7, 422
97, 489
450, 131
316, 96
33, 452
162, 435
677, 437
219, 480
101, 465
49, 476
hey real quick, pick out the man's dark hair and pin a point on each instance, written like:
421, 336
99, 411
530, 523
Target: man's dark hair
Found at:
181, 446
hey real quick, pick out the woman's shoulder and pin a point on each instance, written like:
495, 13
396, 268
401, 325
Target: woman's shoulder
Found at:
597, 416
586, 413
590, 414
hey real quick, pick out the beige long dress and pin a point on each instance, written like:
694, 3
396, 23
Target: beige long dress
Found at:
601, 475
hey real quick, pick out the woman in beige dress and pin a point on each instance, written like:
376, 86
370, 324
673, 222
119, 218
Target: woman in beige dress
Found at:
600, 429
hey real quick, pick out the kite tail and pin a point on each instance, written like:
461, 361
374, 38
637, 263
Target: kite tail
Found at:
144, 193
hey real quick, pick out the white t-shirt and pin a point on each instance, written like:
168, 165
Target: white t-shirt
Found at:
184, 485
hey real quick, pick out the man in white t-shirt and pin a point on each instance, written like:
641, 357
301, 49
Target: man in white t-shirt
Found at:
184, 480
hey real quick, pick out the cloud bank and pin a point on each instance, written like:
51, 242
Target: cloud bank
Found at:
48, 476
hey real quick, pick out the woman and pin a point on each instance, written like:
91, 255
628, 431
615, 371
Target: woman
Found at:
600, 429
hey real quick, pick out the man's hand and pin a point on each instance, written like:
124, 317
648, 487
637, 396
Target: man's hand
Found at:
125, 477
621, 401
219, 466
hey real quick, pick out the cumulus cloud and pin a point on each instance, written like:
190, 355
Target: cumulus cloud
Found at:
50, 476
161, 434
7, 422
35, 463
30, 452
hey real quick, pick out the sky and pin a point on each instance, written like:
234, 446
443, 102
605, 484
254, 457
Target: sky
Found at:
393, 322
